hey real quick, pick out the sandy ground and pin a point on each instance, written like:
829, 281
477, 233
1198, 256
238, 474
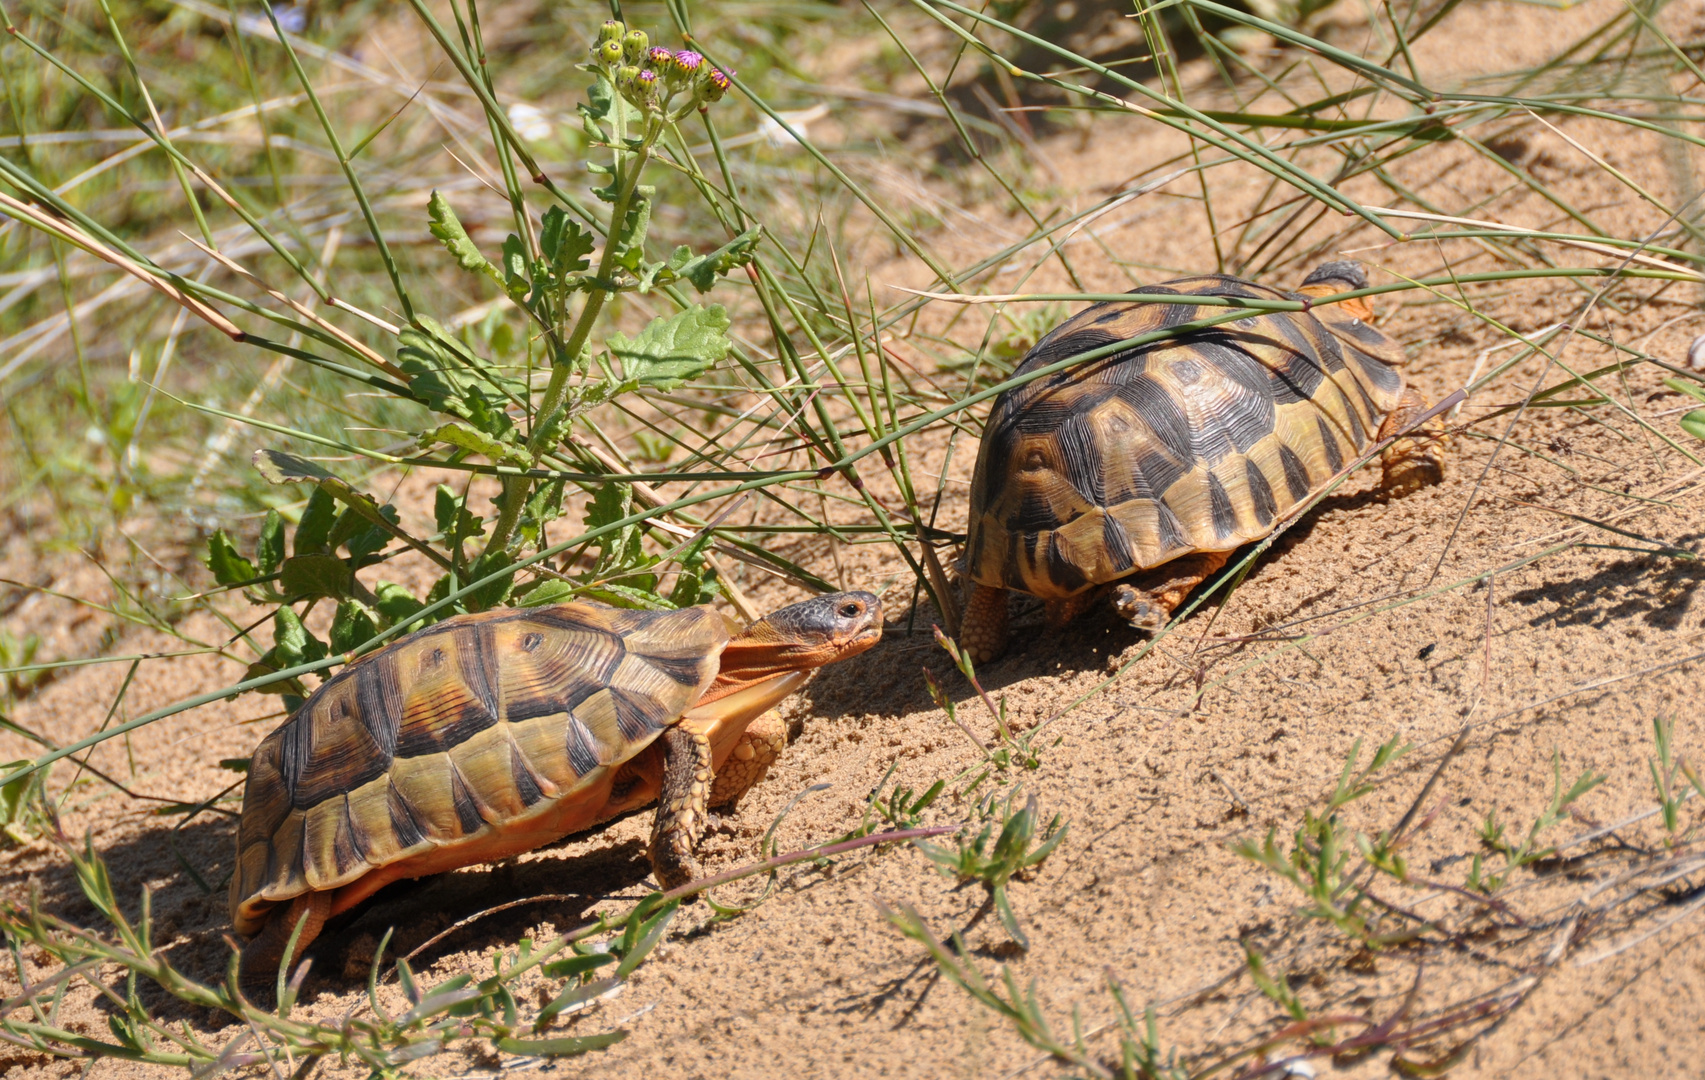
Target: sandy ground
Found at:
1470, 619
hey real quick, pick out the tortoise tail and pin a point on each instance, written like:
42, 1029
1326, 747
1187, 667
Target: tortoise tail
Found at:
257, 969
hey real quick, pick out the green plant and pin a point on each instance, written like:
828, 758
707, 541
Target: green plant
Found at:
1139, 1057
436, 1016
21, 804
1320, 860
974, 858
1665, 768
1010, 750
1529, 850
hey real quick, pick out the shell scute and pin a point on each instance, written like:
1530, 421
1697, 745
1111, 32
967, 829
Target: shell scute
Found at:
459, 732
1194, 443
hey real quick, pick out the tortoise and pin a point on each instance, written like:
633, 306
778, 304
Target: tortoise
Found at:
1137, 474
490, 734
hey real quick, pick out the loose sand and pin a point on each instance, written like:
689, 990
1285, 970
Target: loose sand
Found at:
1451, 611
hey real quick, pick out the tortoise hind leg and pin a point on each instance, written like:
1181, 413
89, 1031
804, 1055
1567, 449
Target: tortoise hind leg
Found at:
1057, 614
983, 632
681, 805
1165, 588
257, 967
757, 749
1416, 460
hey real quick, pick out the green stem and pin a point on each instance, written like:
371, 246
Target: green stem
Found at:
562, 367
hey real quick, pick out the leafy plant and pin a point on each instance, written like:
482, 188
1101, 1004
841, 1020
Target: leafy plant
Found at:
1010, 750
1529, 850
1321, 857
1011, 854
1139, 1058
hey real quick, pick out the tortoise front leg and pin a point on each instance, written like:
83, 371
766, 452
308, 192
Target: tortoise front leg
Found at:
757, 749
257, 964
1415, 461
1167, 586
983, 632
681, 805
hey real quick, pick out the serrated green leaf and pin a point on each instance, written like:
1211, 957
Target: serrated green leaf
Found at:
316, 575
696, 583
497, 449
630, 244
564, 242
543, 507
292, 645
394, 603
456, 523
548, 591
316, 524
674, 349
281, 468
704, 271
353, 625
489, 596
229, 567
443, 224
515, 280
270, 550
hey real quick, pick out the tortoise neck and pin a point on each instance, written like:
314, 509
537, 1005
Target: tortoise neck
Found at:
747, 663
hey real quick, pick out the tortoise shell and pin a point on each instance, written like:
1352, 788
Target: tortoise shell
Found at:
469, 741
1191, 444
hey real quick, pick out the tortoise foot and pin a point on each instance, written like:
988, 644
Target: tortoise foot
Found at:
1141, 610
756, 750
983, 633
1416, 460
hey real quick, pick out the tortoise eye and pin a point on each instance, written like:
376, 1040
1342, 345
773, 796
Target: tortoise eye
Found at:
851, 609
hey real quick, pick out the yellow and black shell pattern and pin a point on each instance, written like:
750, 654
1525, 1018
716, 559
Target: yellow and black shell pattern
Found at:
1193, 443
462, 743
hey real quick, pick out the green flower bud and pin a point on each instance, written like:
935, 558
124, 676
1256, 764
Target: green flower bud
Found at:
634, 45
608, 53
611, 31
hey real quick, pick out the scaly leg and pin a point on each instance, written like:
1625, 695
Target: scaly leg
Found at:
762, 742
257, 968
983, 633
1417, 460
1165, 588
1058, 613
681, 806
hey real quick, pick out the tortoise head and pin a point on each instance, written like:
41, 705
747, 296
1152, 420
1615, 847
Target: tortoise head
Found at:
804, 636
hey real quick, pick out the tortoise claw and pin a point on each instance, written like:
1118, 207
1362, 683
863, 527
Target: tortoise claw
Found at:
1138, 609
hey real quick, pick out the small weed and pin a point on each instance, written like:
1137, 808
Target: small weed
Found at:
1529, 851
23, 815
1140, 1056
458, 1009
1665, 768
1011, 854
1009, 751
901, 807
16, 655
1276, 986
1319, 862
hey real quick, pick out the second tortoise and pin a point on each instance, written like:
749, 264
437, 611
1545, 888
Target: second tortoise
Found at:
1139, 473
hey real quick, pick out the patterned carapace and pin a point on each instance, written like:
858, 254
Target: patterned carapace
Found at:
465, 742
1190, 444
